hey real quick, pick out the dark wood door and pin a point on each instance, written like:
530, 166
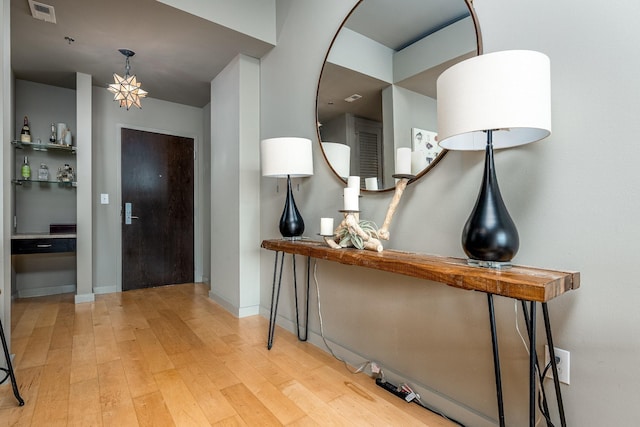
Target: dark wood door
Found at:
157, 182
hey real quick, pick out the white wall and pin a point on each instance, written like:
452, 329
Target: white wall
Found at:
235, 183
573, 196
108, 118
84, 175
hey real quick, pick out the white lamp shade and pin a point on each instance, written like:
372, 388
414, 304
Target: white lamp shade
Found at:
290, 156
508, 92
339, 157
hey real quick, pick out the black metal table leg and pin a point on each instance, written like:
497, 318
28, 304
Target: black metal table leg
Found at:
295, 288
554, 365
496, 360
532, 366
9, 370
525, 313
275, 297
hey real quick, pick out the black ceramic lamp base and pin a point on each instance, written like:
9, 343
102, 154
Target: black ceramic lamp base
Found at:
291, 223
490, 238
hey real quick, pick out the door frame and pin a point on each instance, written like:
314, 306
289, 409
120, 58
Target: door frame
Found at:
197, 199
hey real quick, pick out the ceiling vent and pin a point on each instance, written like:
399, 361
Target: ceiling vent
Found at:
42, 11
353, 97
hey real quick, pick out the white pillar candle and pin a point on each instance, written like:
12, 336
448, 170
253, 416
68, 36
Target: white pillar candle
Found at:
418, 162
326, 226
354, 182
371, 183
403, 161
351, 199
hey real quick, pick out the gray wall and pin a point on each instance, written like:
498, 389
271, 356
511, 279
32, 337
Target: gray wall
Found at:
108, 119
574, 197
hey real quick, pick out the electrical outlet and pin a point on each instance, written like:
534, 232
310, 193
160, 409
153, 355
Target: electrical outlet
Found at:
564, 364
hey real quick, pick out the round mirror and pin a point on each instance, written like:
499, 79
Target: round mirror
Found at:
377, 89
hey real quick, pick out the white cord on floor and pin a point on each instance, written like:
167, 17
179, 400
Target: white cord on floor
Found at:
315, 280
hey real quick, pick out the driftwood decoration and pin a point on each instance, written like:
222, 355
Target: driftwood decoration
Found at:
360, 234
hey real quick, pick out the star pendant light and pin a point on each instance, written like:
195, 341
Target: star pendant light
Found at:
127, 89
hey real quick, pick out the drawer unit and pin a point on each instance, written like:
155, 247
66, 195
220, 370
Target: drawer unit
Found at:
42, 245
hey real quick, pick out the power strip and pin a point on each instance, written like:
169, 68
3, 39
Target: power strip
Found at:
411, 397
394, 390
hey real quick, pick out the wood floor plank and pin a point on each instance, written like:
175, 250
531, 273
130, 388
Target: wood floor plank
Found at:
139, 377
170, 356
84, 404
120, 415
234, 421
152, 411
35, 353
105, 342
317, 410
157, 359
211, 401
249, 408
114, 390
182, 405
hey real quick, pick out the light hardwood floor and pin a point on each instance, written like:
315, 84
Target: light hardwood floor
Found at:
170, 356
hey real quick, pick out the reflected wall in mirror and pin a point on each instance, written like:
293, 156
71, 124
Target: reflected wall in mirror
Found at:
377, 89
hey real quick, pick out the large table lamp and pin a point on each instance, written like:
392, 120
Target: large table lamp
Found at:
491, 101
288, 157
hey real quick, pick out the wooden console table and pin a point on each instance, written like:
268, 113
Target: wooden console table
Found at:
527, 284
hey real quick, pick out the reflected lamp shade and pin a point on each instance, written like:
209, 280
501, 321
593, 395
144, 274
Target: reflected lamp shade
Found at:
339, 157
287, 157
496, 100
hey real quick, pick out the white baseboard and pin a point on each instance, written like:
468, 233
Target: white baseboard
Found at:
446, 405
239, 312
99, 290
45, 290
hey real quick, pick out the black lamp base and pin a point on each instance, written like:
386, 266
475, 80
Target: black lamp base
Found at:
291, 223
490, 238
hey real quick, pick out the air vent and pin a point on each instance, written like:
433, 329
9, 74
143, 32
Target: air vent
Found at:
353, 97
42, 11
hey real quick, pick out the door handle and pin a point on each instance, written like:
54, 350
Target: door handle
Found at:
128, 207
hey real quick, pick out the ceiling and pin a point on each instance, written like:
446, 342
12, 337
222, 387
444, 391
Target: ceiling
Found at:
412, 21
177, 54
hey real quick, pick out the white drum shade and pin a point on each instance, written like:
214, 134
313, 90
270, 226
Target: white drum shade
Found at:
508, 92
284, 156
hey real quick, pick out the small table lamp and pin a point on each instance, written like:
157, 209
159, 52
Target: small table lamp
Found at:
288, 157
496, 100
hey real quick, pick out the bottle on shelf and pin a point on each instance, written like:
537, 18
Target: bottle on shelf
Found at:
25, 133
43, 173
25, 171
53, 136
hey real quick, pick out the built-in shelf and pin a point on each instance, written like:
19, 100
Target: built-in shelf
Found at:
32, 181
45, 147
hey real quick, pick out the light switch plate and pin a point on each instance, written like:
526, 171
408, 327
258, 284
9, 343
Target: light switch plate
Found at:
104, 199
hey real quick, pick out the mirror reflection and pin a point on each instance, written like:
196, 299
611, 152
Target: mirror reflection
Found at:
377, 89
